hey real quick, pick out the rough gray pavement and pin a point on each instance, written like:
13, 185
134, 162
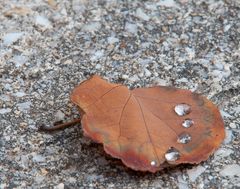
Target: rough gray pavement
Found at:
48, 47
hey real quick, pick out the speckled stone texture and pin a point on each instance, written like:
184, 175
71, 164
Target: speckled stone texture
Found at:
49, 46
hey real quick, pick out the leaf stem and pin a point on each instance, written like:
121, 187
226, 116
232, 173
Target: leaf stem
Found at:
59, 126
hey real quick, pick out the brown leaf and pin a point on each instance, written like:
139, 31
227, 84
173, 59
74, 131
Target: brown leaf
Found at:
149, 128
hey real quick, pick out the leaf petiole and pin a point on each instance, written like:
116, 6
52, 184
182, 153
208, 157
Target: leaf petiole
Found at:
59, 126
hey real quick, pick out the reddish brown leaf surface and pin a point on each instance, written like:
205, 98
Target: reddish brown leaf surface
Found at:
141, 126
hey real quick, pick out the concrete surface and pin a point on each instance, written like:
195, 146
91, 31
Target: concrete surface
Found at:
48, 47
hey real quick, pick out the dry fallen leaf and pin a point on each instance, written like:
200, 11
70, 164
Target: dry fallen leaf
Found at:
149, 128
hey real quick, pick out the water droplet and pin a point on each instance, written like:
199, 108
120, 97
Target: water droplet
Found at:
182, 109
187, 123
153, 163
184, 138
172, 154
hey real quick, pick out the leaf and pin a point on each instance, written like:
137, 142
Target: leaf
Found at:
149, 128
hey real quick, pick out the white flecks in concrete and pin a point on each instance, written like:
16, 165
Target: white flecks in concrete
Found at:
222, 153
10, 38
42, 21
225, 114
98, 66
181, 183
228, 137
230, 170
195, 172
19, 94
227, 27
167, 3
112, 40
39, 179
147, 72
190, 52
59, 116
132, 28
182, 80
5, 97
144, 61
161, 82
142, 15
59, 186
134, 78
24, 106
19, 60
38, 158
97, 55
91, 27
5, 110
237, 109
180, 43
233, 125
124, 76
219, 66
79, 6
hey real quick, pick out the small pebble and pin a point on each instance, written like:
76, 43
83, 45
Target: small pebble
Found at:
228, 137
91, 27
195, 172
230, 170
59, 186
5, 111
38, 158
131, 28
59, 116
43, 21
233, 125
24, 106
11, 38
142, 15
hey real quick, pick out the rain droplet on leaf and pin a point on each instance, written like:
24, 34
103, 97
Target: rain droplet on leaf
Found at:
187, 123
184, 138
172, 154
153, 163
182, 109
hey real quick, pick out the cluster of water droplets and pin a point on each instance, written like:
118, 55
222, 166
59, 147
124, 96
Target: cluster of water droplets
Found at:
172, 153
181, 110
